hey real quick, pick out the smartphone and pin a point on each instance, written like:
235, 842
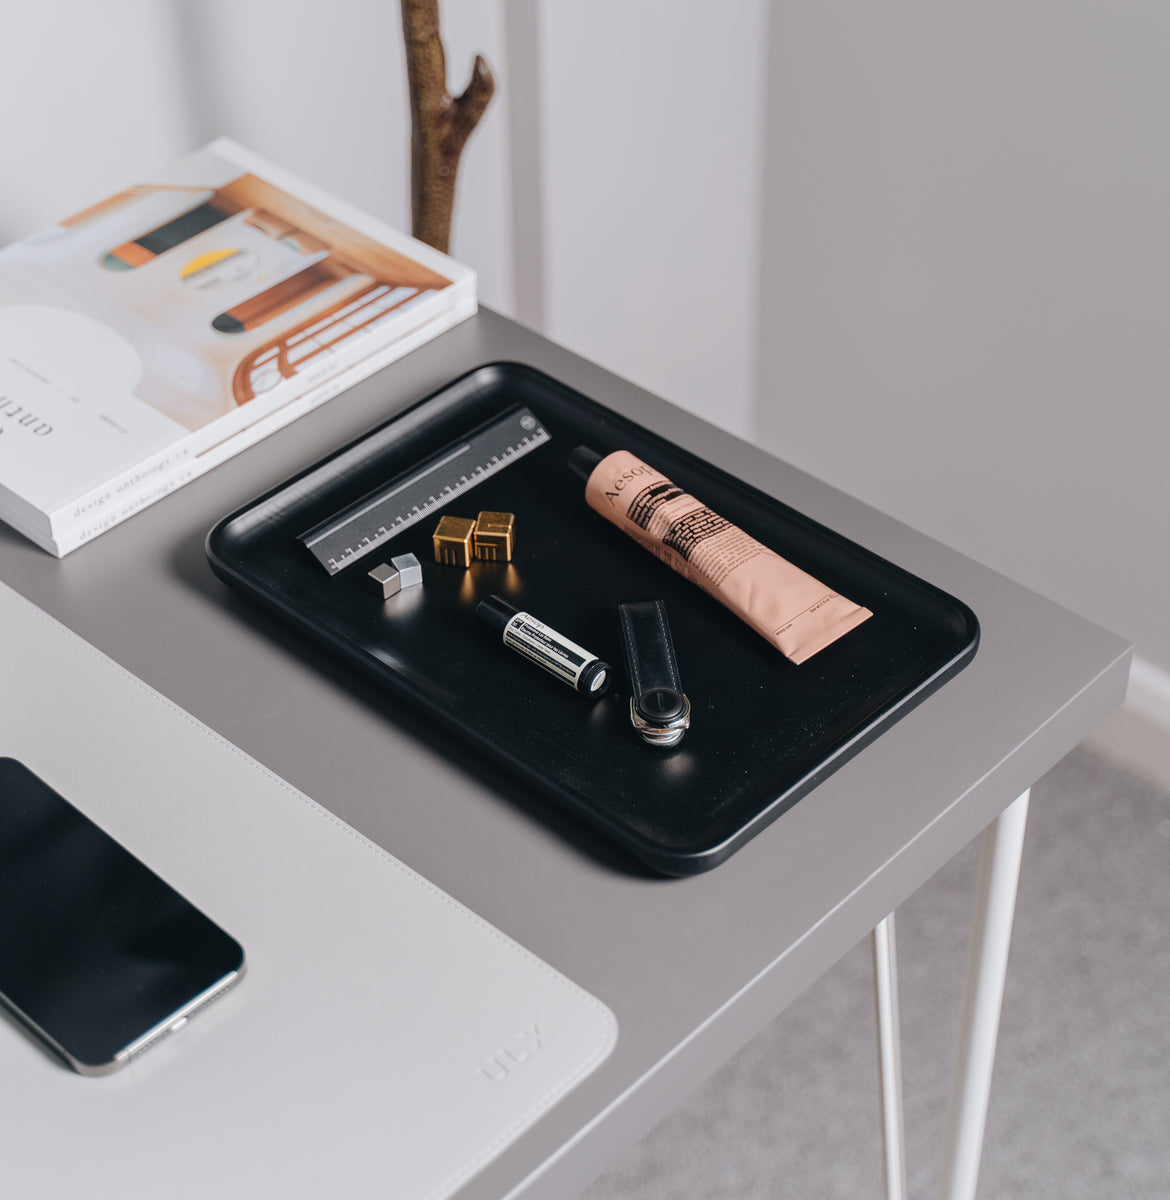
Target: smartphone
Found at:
99, 957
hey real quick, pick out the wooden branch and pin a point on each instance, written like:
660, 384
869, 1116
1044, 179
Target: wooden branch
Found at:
440, 124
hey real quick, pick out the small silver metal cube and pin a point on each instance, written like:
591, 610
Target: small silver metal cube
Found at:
409, 569
403, 571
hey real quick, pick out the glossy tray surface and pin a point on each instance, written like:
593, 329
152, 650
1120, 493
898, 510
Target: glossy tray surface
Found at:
763, 732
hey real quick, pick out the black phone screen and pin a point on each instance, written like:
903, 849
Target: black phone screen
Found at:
96, 951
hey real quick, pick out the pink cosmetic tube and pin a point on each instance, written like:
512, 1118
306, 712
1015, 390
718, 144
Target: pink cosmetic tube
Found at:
795, 612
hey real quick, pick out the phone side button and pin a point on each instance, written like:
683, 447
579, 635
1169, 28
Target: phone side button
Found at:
178, 1025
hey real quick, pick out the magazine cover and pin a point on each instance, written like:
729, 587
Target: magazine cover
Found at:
165, 328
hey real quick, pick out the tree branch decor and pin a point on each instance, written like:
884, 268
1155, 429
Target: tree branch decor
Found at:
440, 123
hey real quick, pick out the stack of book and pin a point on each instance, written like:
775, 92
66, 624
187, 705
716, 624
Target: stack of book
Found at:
166, 328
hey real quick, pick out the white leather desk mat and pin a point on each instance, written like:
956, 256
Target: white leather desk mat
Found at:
385, 1041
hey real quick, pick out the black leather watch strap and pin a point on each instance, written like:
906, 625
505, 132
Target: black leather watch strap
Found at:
649, 649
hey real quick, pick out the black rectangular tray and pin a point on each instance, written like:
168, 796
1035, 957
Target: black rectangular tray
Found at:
763, 732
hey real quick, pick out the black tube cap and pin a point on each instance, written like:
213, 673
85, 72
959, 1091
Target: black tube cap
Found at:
496, 611
583, 460
595, 679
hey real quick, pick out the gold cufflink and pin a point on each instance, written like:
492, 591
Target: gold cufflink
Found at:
493, 536
452, 540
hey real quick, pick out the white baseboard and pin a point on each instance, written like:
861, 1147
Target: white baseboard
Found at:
1149, 693
1137, 736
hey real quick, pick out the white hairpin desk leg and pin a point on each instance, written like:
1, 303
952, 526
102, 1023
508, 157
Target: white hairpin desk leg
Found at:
885, 986
991, 932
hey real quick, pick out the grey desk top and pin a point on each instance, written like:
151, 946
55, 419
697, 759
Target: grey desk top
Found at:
692, 968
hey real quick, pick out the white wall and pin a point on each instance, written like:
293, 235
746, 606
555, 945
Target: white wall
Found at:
634, 138
967, 252
652, 136
321, 89
89, 104
106, 93
929, 240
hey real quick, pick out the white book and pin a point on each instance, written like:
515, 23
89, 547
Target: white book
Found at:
161, 331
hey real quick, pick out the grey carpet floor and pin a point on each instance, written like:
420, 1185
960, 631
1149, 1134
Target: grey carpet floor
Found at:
1080, 1104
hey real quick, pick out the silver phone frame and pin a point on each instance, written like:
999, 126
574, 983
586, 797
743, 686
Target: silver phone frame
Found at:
155, 1034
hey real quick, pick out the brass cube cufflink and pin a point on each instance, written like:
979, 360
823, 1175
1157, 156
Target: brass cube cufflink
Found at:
453, 538
493, 536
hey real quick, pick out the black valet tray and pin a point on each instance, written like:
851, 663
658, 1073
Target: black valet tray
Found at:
763, 732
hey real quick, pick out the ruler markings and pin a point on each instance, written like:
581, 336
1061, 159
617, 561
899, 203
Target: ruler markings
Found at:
311, 540
386, 512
